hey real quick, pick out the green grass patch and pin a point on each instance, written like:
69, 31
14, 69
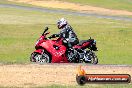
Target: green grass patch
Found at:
78, 86
5, 2
90, 86
111, 4
19, 30
15, 3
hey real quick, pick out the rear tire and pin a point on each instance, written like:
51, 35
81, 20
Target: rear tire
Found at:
94, 59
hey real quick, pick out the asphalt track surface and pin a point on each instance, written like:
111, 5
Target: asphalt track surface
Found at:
65, 12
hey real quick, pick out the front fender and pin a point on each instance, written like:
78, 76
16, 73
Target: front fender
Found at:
39, 51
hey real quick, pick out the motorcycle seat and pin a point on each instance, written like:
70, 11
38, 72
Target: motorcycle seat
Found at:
82, 42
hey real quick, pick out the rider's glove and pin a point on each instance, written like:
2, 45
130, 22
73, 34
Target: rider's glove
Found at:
54, 36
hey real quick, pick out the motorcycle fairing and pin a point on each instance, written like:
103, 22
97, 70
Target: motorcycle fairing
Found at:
55, 53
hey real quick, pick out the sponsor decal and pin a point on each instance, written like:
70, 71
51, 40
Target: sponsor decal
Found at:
83, 78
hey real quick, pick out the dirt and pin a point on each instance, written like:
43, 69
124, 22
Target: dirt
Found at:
74, 6
43, 75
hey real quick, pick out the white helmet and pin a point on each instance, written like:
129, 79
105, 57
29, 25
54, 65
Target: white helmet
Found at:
61, 23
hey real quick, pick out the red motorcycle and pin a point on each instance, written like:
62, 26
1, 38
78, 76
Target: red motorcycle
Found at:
55, 51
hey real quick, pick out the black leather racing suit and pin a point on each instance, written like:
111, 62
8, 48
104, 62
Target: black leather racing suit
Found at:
69, 35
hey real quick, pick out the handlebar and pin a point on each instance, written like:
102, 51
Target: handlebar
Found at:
46, 29
44, 33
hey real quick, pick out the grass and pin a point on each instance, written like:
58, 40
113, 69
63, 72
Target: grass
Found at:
19, 30
111, 4
14, 3
92, 86
84, 86
78, 86
5, 2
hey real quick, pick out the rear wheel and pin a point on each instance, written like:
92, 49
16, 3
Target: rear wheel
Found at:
40, 58
93, 58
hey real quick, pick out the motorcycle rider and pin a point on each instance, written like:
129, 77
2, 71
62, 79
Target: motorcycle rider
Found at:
67, 33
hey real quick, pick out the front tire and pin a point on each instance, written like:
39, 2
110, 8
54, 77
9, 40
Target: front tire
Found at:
40, 58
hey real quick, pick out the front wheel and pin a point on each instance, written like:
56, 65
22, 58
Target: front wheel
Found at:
40, 58
93, 58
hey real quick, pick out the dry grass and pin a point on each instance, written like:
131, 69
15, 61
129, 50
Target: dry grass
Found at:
73, 6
